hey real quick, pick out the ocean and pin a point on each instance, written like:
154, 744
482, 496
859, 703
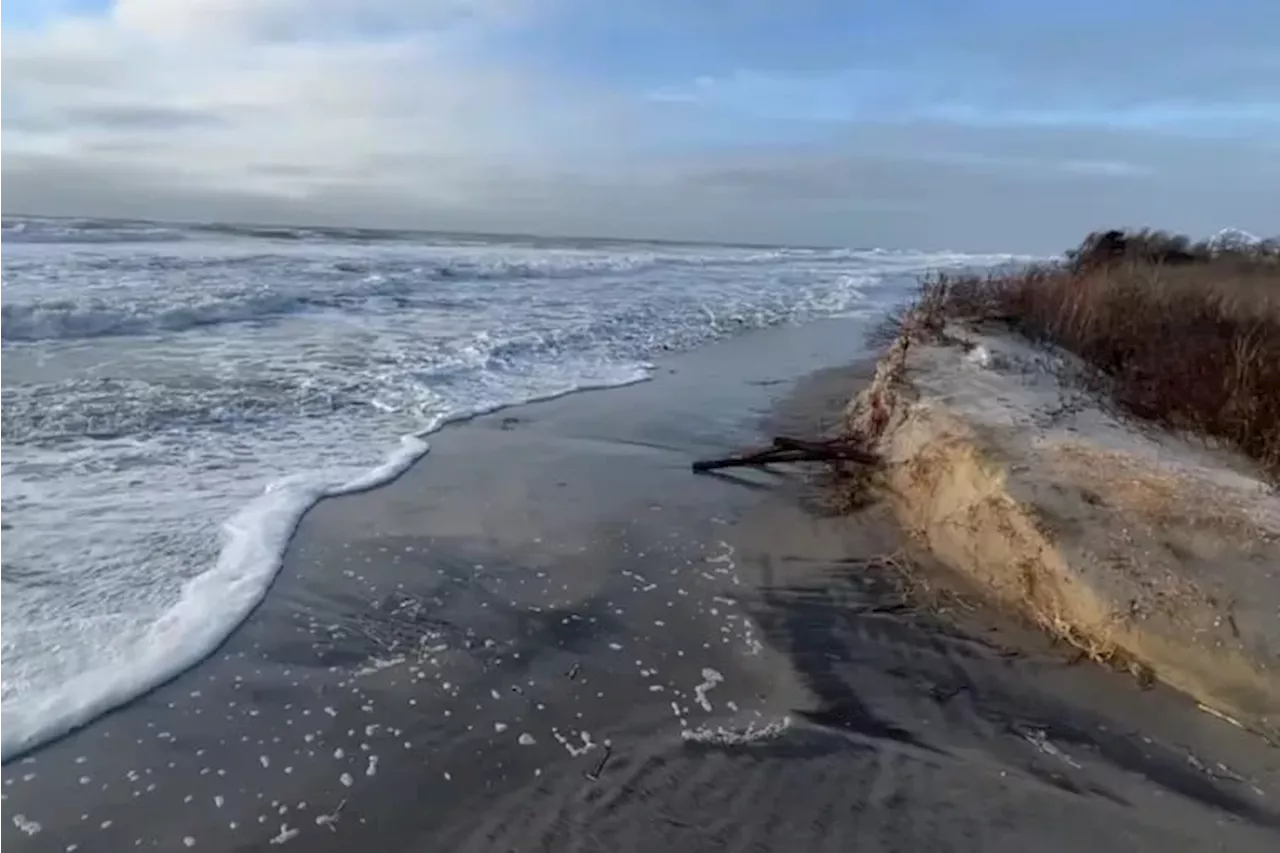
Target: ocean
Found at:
175, 397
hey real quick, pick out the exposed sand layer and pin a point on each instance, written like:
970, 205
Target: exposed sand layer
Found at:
1137, 546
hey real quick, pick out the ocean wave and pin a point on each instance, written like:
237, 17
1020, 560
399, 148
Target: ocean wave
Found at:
88, 230
51, 229
312, 233
90, 316
67, 319
164, 301
113, 408
54, 230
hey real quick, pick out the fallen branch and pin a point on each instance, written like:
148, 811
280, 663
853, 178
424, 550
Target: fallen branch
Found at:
791, 450
840, 447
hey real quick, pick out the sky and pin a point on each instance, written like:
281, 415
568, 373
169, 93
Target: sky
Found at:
987, 125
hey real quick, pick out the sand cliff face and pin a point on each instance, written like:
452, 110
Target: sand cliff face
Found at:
1135, 545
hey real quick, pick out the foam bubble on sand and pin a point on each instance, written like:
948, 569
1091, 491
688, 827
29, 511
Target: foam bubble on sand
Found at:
576, 751
721, 736
377, 665
284, 835
332, 817
710, 678
24, 824
1037, 738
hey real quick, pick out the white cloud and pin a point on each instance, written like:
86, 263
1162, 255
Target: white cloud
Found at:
285, 97
201, 20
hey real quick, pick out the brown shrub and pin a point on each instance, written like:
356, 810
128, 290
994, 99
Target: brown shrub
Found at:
1187, 335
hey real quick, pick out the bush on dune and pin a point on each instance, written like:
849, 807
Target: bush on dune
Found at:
1181, 333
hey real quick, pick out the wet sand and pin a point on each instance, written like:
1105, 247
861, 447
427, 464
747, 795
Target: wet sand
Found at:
550, 635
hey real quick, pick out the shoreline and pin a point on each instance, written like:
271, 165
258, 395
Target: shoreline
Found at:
242, 572
466, 659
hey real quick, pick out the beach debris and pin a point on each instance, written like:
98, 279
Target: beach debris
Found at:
1219, 771
786, 449
331, 818
573, 671
1214, 712
285, 835
1144, 675
1038, 739
1269, 736
594, 773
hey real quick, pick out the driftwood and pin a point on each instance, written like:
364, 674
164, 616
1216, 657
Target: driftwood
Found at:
786, 449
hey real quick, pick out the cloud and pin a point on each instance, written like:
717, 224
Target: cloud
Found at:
195, 21
136, 116
770, 122
229, 93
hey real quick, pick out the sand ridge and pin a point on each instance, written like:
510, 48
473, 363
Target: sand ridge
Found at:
1137, 546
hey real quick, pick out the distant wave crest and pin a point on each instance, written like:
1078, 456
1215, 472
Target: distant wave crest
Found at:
49, 230
69, 320
176, 293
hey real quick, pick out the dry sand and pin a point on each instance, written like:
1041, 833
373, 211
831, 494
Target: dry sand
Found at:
550, 635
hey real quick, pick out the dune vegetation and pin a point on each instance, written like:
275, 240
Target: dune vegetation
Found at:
1182, 333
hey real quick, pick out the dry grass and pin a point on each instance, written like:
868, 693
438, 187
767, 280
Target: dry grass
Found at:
1182, 334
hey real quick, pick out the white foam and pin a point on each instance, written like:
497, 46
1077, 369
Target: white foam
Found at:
26, 825
721, 736
710, 678
285, 835
210, 607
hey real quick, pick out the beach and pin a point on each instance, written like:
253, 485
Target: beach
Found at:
548, 634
